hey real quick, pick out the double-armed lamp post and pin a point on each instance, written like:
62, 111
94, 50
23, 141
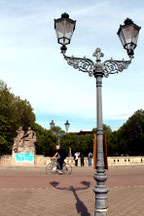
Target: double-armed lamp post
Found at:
59, 134
128, 34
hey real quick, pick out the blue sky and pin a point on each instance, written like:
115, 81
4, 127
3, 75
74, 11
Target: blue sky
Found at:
31, 63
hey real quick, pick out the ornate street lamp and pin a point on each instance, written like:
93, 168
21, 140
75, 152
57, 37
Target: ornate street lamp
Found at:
59, 134
64, 29
52, 124
67, 124
128, 34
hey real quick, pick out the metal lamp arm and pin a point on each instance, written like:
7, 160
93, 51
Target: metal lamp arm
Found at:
114, 66
82, 64
86, 65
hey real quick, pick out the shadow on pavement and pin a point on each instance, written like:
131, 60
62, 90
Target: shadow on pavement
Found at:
80, 206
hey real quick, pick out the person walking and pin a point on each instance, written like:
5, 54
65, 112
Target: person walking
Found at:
82, 159
76, 156
90, 156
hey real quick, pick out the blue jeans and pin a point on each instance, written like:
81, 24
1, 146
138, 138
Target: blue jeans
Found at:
90, 162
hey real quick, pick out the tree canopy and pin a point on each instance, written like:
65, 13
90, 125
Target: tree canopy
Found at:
15, 112
130, 137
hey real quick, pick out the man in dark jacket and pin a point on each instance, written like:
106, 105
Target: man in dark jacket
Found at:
61, 156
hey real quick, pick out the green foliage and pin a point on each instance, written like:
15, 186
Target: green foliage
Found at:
56, 129
14, 112
82, 143
46, 141
131, 135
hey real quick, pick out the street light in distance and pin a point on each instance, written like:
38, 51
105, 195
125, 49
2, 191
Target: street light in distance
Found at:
59, 134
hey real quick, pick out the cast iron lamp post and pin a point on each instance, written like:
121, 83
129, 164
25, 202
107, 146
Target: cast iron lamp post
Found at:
67, 124
128, 34
59, 134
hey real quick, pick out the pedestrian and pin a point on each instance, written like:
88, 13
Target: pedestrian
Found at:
90, 156
82, 159
76, 155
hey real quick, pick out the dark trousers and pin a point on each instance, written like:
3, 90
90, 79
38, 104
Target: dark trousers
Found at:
82, 162
60, 161
76, 162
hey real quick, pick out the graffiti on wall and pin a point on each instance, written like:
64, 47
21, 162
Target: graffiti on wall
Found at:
24, 157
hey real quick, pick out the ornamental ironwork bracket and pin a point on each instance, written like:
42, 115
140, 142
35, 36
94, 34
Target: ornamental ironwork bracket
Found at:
114, 66
59, 133
88, 66
82, 64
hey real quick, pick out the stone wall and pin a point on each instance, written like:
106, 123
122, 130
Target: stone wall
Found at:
121, 161
40, 160
6, 160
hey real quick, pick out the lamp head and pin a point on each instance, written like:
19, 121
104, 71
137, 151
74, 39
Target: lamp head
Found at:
52, 124
128, 34
67, 124
64, 28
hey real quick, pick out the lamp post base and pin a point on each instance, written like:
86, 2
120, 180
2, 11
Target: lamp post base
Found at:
101, 207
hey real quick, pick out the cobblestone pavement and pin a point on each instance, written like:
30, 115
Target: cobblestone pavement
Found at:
28, 191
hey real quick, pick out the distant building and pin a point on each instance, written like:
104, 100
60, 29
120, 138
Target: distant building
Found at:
83, 132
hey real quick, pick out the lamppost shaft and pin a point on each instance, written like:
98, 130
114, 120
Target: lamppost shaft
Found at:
100, 159
59, 141
100, 189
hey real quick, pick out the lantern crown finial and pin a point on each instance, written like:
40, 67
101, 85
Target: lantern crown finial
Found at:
128, 21
65, 15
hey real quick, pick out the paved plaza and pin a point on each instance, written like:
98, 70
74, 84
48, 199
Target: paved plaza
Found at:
29, 191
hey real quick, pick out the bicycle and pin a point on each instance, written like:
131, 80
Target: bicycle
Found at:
54, 167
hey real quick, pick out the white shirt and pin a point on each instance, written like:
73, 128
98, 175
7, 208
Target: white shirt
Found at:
76, 156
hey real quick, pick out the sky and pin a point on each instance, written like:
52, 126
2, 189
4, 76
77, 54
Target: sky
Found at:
32, 65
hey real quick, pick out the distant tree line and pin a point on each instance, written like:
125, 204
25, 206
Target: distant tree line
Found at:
15, 112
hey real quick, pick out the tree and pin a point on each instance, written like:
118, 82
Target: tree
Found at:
14, 112
112, 144
109, 137
131, 135
56, 129
46, 141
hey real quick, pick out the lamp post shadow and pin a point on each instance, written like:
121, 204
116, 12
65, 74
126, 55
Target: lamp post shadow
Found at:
80, 206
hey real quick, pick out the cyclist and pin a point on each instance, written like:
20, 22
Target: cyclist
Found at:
61, 156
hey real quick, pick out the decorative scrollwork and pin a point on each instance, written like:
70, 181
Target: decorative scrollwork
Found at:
82, 64
114, 66
98, 54
88, 66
